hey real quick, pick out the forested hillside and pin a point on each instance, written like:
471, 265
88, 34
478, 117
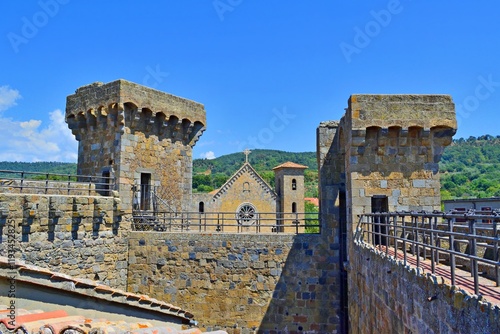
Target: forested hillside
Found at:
40, 167
211, 174
469, 168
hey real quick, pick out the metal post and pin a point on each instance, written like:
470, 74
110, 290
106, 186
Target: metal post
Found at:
69, 183
395, 239
403, 233
474, 267
415, 240
495, 248
452, 247
431, 241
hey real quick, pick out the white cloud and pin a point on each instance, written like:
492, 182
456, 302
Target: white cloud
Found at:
30, 141
8, 97
208, 155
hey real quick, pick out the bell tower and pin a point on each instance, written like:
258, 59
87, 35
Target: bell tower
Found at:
289, 184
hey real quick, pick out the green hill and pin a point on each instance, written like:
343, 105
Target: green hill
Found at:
469, 168
211, 174
38, 167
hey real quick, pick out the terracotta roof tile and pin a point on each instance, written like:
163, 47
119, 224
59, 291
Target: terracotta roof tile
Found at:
22, 320
46, 277
312, 200
59, 322
290, 164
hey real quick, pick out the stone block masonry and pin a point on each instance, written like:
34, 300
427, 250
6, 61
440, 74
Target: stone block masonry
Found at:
242, 283
381, 156
79, 236
387, 297
138, 136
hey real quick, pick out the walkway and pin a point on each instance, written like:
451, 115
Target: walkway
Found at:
463, 279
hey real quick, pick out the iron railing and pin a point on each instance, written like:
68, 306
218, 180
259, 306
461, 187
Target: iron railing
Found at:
469, 240
50, 183
153, 198
229, 222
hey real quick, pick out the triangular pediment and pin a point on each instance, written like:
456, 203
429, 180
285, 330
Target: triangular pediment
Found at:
245, 169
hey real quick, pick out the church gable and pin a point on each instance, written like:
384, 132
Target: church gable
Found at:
247, 180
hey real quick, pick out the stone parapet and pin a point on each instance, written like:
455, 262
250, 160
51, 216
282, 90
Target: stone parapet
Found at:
122, 104
405, 111
388, 297
80, 236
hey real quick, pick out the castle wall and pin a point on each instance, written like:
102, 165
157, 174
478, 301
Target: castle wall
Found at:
241, 282
125, 129
383, 155
170, 165
393, 145
77, 235
387, 297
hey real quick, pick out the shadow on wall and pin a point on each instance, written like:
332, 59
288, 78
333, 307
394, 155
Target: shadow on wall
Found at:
306, 296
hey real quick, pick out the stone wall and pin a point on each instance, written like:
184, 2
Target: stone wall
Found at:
393, 144
125, 129
81, 236
274, 283
387, 297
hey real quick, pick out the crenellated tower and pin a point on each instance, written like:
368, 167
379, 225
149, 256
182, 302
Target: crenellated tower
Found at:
140, 136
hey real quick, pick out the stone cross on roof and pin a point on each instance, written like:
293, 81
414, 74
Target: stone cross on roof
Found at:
247, 152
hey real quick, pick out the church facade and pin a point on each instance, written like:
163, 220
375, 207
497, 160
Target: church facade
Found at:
248, 203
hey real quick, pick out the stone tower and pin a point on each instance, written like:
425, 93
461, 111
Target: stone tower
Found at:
140, 136
289, 185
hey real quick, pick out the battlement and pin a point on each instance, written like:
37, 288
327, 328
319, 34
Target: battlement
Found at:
405, 111
123, 104
127, 132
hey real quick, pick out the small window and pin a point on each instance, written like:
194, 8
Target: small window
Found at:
294, 184
246, 187
294, 207
201, 207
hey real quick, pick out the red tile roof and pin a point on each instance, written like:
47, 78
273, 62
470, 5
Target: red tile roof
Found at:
59, 321
290, 164
312, 200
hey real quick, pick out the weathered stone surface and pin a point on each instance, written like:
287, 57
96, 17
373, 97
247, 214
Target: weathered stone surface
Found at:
273, 282
64, 243
125, 130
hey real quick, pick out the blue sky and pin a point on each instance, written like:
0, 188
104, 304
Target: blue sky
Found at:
268, 72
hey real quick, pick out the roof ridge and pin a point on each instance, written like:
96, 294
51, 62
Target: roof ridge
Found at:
98, 290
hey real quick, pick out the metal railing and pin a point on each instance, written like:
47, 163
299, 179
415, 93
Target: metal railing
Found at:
50, 183
469, 240
229, 222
